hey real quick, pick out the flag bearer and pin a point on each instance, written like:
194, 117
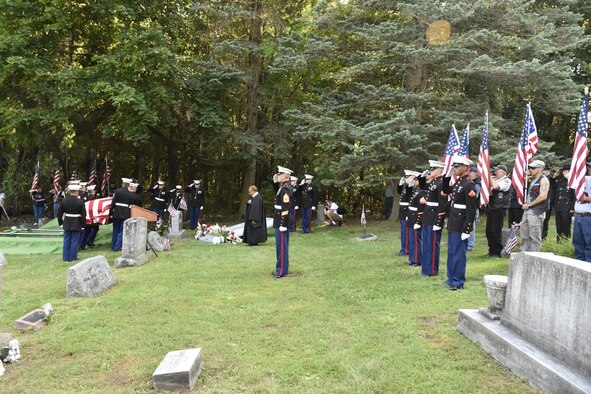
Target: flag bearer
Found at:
464, 202
72, 217
436, 201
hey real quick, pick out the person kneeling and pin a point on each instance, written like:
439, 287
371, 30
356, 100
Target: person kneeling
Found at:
331, 211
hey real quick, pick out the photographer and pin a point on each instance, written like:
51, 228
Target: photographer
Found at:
331, 210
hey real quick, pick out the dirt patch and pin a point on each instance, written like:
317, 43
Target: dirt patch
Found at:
431, 330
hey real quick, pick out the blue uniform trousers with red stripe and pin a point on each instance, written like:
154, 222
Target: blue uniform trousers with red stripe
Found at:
414, 246
117, 238
195, 214
282, 249
306, 220
293, 214
431, 247
456, 259
71, 245
403, 238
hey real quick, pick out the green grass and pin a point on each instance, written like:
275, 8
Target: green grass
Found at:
350, 317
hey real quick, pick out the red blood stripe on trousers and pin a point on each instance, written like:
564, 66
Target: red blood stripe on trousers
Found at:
281, 256
433, 254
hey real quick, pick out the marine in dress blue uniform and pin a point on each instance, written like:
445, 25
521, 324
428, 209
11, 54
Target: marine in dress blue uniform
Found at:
413, 220
121, 204
159, 199
281, 221
72, 217
309, 201
462, 211
432, 233
405, 190
196, 202
295, 204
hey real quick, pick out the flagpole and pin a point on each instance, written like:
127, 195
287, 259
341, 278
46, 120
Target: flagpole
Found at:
108, 180
527, 109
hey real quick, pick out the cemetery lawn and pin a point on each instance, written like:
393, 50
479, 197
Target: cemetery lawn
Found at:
350, 317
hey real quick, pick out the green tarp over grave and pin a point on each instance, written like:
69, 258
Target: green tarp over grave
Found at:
32, 244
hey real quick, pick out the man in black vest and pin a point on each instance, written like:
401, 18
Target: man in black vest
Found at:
498, 202
534, 209
72, 217
462, 211
196, 202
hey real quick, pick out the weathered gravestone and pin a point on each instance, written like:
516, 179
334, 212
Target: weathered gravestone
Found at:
320, 217
155, 241
89, 277
179, 370
542, 334
133, 251
33, 320
176, 226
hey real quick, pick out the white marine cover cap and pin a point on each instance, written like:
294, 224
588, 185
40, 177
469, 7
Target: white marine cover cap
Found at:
436, 164
284, 170
462, 160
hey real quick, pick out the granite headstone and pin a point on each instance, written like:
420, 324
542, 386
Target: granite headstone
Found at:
133, 251
89, 277
178, 370
176, 226
155, 241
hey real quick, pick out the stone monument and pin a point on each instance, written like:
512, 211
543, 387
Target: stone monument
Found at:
176, 226
89, 277
155, 241
178, 371
135, 235
542, 331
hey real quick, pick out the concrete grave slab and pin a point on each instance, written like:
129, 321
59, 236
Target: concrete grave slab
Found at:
33, 320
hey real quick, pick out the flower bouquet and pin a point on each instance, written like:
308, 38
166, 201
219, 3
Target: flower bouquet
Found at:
220, 233
202, 231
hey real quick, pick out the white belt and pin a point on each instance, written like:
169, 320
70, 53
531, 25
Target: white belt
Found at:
73, 215
413, 208
403, 204
278, 206
432, 204
159, 199
120, 204
459, 206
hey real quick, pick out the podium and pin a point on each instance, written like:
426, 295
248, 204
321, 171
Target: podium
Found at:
139, 212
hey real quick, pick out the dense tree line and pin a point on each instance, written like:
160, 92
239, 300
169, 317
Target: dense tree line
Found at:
224, 91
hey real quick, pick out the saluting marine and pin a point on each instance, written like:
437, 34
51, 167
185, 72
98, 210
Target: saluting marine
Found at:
309, 202
196, 202
415, 210
462, 211
405, 190
159, 199
282, 221
435, 202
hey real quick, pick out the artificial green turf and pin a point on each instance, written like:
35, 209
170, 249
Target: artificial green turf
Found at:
350, 317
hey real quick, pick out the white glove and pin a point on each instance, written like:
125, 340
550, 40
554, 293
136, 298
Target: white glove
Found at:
201, 207
425, 173
436, 228
465, 236
302, 182
155, 187
416, 226
296, 207
282, 229
275, 178
401, 182
313, 208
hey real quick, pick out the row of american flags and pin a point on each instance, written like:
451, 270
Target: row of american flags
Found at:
92, 178
526, 149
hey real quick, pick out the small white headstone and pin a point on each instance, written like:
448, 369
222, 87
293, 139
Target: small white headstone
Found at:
179, 370
176, 226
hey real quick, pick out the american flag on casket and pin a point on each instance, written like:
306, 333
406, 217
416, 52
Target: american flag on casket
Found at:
97, 210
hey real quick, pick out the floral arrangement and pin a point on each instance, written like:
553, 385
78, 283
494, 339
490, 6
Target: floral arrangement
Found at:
220, 231
202, 230
48, 310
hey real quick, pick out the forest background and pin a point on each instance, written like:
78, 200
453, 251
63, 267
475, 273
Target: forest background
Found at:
350, 91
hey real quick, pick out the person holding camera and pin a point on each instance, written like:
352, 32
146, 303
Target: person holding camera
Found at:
333, 212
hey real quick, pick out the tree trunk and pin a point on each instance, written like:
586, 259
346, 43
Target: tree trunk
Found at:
253, 100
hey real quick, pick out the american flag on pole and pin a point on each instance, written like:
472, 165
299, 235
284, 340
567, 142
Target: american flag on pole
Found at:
92, 177
106, 177
35, 182
183, 204
172, 210
528, 146
511, 241
97, 210
465, 144
452, 148
578, 168
483, 166
57, 178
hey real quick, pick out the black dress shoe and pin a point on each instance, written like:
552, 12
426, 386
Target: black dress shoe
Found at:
444, 284
454, 288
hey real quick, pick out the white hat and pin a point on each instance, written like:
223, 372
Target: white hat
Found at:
308, 176
74, 188
74, 182
412, 173
537, 164
178, 187
462, 160
126, 180
196, 181
133, 184
161, 183
283, 170
293, 178
436, 164
83, 184
91, 188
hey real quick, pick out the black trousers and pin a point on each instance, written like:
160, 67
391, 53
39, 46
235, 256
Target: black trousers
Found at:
494, 230
563, 223
515, 216
545, 224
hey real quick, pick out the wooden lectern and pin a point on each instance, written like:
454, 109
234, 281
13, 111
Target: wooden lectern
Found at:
139, 212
